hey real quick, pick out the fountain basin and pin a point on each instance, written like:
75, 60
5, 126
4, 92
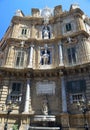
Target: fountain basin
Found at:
45, 118
44, 128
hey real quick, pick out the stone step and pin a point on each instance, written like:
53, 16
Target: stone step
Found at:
43, 128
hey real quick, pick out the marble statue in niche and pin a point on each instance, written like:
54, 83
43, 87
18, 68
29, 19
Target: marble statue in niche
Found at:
46, 32
45, 56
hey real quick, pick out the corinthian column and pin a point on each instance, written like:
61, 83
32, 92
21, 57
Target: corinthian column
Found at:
28, 97
64, 102
60, 55
30, 57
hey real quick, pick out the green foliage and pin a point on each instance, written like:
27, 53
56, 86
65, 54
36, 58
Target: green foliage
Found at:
15, 127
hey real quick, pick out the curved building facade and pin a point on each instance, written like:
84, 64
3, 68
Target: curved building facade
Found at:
45, 71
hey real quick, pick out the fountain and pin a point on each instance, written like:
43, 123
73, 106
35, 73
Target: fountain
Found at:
44, 121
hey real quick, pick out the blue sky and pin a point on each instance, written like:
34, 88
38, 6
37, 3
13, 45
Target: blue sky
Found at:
8, 8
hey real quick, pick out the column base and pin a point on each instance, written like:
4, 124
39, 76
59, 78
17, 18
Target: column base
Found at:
30, 66
61, 65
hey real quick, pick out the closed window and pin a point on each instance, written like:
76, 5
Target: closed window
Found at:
16, 87
24, 31
72, 56
20, 59
68, 27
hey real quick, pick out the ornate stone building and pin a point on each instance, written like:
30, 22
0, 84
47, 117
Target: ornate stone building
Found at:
45, 71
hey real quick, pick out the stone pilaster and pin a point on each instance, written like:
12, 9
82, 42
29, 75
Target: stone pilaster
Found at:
30, 57
64, 102
27, 99
60, 55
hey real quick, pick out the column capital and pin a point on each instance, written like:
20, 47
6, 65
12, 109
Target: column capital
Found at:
32, 45
61, 73
59, 43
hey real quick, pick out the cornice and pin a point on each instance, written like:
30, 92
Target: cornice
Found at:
49, 73
39, 20
32, 20
49, 41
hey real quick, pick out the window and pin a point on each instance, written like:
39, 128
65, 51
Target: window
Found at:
16, 87
16, 92
68, 27
76, 90
71, 52
77, 86
24, 31
20, 59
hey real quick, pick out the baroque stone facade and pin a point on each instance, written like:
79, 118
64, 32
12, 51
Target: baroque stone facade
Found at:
45, 70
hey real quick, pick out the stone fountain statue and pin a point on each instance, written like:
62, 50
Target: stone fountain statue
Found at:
45, 107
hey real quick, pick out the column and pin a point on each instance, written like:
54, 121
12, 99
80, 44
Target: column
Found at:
30, 57
64, 102
60, 55
27, 99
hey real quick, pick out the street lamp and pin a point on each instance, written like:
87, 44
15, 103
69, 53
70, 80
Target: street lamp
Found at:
6, 124
83, 105
8, 113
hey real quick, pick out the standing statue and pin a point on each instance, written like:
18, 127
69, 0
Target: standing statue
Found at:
45, 33
45, 58
45, 107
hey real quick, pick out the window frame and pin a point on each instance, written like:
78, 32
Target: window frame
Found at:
15, 96
72, 55
19, 60
68, 27
24, 31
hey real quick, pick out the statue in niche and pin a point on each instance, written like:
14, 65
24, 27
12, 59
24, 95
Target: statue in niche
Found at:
46, 32
45, 107
45, 56
69, 39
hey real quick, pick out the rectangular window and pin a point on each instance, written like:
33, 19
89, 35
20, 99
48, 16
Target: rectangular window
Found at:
15, 94
20, 59
78, 86
24, 31
16, 87
71, 52
76, 90
68, 27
